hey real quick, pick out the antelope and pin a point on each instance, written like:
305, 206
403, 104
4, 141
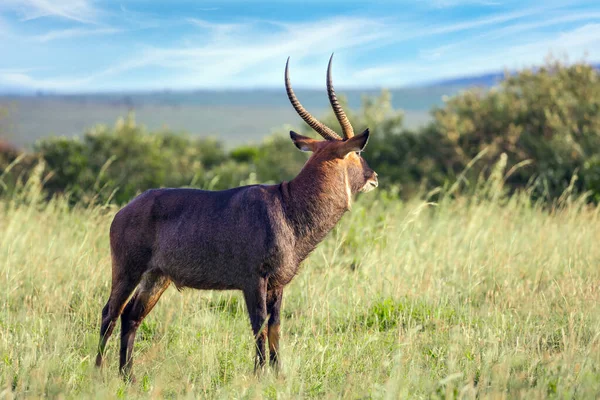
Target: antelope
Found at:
250, 238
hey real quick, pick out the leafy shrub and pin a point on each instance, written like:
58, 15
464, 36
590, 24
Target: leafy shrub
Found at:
549, 117
125, 160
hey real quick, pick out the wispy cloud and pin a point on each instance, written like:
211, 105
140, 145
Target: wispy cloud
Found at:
24, 80
140, 20
75, 10
73, 33
182, 46
576, 42
456, 3
218, 30
482, 58
506, 32
4, 30
480, 22
418, 29
19, 70
230, 50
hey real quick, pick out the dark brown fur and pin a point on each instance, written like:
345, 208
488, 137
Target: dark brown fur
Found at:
251, 238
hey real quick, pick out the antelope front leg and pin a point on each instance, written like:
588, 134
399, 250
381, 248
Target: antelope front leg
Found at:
274, 297
256, 301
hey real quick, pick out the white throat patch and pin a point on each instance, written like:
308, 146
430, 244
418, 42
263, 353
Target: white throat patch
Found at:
348, 190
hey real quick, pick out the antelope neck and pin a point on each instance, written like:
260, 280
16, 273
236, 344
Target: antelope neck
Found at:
315, 201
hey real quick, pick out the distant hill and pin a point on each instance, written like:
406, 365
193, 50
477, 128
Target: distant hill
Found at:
235, 116
483, 80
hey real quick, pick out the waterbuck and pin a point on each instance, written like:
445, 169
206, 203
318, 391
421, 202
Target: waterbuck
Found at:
251, 238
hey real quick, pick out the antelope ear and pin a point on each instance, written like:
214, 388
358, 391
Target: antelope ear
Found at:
304, 143
354, 144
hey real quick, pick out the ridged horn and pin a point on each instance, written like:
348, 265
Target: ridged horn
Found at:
347, 129
314, 123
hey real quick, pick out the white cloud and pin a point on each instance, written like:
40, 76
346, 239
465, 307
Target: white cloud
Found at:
253, 53
230, 50
75, 10
485, 58
456, 3
236, 49
480, 22
410, 31
24, 80
218, 30
242, 54
576, 42
4, 31
73, 33
512, 32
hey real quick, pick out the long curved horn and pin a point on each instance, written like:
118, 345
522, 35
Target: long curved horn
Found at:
323, 130
347, 129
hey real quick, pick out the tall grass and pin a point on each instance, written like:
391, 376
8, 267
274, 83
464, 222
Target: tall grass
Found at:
480, 296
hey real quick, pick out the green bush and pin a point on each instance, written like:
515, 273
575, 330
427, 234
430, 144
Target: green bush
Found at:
548, 118
121, 162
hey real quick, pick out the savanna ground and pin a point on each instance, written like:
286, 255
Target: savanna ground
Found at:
481, 296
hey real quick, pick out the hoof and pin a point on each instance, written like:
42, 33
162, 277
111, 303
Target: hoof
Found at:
128, 377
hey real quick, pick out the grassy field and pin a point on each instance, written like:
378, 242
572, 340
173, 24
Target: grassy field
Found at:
491, 299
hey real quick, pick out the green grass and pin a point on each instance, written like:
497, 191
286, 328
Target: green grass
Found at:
489, 299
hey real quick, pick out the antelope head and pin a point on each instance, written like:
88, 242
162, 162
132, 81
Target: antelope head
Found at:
334, 154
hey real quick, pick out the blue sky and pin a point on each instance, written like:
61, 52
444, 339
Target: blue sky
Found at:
87, 45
